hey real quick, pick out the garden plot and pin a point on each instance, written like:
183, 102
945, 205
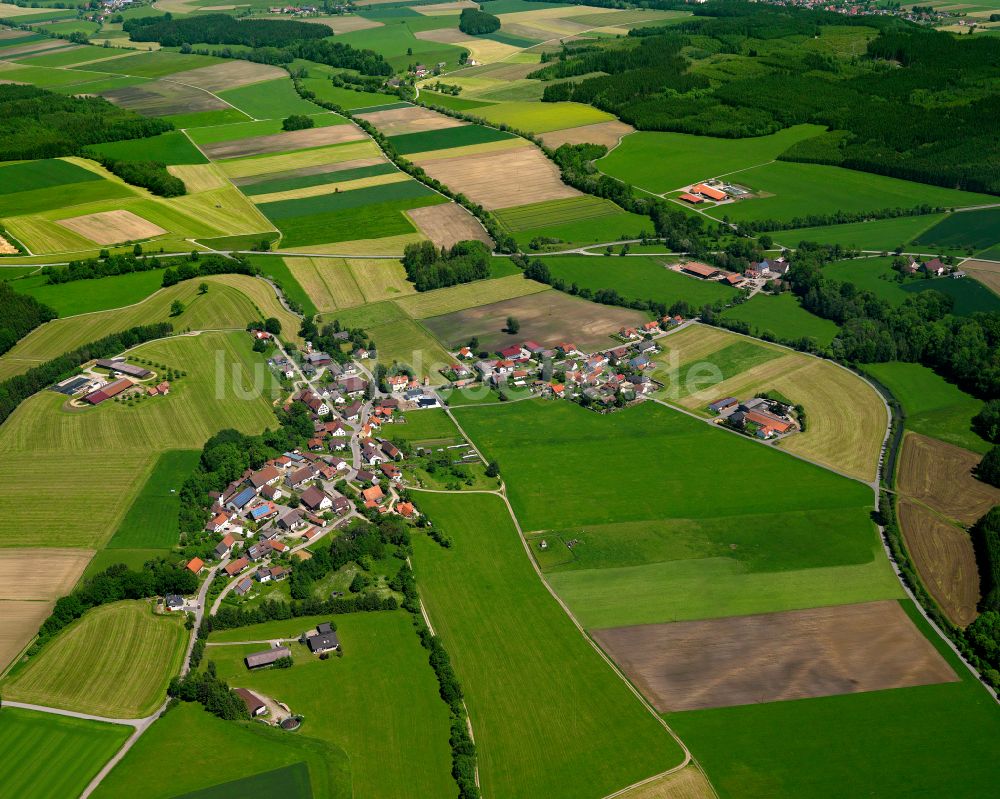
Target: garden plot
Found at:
412, 119
284, 142
607, 133
161, 98
229, 75
773, 657
445, 225
485, 178
112, 227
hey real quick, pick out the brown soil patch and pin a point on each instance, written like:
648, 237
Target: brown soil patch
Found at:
447, 224
688, 783
160, 98
940, 476
502, 179
230, 75
413, 119
40, 573
772, 657
986, 272
606, 133
945, 560
501, 71
38, 47
547, 317
284, 142
6, 248
112, 227
20, 622
319, 169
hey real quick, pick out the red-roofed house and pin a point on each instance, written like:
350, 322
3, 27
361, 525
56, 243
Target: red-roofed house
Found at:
708, 191
195, 565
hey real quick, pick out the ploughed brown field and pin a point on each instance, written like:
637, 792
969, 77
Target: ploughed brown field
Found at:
940, 475
414, 119
231, 75
548, 318
112, 227
771, 657
945, 560
606, 133
986, 272
447, 224
160, 98
283, 142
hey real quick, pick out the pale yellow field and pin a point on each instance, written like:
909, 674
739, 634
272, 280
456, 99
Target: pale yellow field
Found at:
40, 573
389, 245
11, 10
328, 282
44, 236
607, 133
226, 211
380, 279
199, 177
266, 302
345, 23
112, 227
262, 165
688, 783
468, 295
482, 50
21, 621
316, 191
444, 9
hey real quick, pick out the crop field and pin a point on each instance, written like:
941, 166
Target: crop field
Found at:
397, 739
234, 131
73, 751
783, 317
940, 475
796, 654
344, 187
291, 781
969, 295
40, 574
986, 272
395, 40
151, 520
114, 662
159, 98
359, 198
310, 178
483, 49
170, 148
380, 279
33, 175
944, 558
448, 224
426, 426
112, 227
933, 406
538, 695
450, 101
269, 100
457, 298
877, 234
328, 282
555, 212
846, 416
543, 117
688, 783
304, 159
409, 120
130, 437
199, 177
477, 176
283, 142
445, 138
607, 133
788, 192
661, 162
21, 620
976, 229
229, 75
882, 738
159, 64
406, 342
191, 734
54, 197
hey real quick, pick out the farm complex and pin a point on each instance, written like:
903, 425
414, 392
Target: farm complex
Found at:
432, 399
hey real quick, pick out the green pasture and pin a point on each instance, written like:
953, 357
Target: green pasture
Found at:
79, 297
869, 274
969, 295
132, 558
67, 56
877, 234
152, 520
199, 119
973, 229
660, 162
303, 181
432, 424
341, 201
640, 278
791, 190
188, 734
733, 359
292, 782
158, 63
538, 695
933, 406
275, 268
63, 197
22, 176
542, 117
783, 317
613, 224
450, 101
367, 316
168, 148
263, 127
59, 755
931, 741
49, 77
396, 37
446, 138
270, 99
379, 702
347, 99
548, 213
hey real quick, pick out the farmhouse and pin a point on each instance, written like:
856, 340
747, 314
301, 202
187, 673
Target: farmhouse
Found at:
266, 658
253, 702
709, 192
723, 405
242, 499
195, 565
173, 602
694, 199
108, 391
701, 270
325, 639
119, 365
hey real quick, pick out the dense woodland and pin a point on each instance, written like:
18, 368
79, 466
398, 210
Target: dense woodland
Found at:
936, 94
222, 29
428, 268
35, 123
152, 175
19, 315
475, 22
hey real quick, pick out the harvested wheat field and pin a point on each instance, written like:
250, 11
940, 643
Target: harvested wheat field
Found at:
20, 623
688, 783
329, 282
607, 133
482, 49
283, 163
284, 142
412, 119
6, 248
112, 227
380, 278
346, 23
770, 657
40, 573
161, 98
318, 169
230, 75
944, 559
199, 177
501, 180
940, 476
326, 188
387, 245
447, 224
986, 272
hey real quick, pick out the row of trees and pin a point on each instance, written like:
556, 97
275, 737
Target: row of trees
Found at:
222, 29
152, 175
19, 315
428, 268
203, 266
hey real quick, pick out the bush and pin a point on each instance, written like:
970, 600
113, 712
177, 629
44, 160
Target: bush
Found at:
988, 469
297, 122
987, 422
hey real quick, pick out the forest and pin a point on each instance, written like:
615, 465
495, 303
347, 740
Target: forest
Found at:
429, 268
937, 94
152, 175
222, 29
475, 22
35, 123
20, 314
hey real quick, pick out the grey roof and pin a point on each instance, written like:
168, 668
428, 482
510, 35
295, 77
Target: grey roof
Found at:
324, 627
323, 641
267, 657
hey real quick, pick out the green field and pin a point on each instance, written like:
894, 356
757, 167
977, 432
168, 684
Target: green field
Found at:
198, 119
59, 755
928, 741
932, 406
190, 735
793, 187
869, 274
271, 99
576, 220
878, 234
274, 268
450, 101
660, 162
446, 138
782, 316
322, 179
67, 56
157, 64
115, 662
347, 99
395, 38
638, 278
549, 715
975, 229
79, 297
264, 127
542, 117
151, 521
291, 781
345, 200
970, 295
521, 218
426, 425
168, 148
379, 702
32, 175
62, 196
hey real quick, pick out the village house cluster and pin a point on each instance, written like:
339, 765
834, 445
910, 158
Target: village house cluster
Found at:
760, 417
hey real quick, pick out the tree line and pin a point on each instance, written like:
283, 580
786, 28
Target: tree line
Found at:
209, 265
152, 175
19, 315
222, 29
429, 268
